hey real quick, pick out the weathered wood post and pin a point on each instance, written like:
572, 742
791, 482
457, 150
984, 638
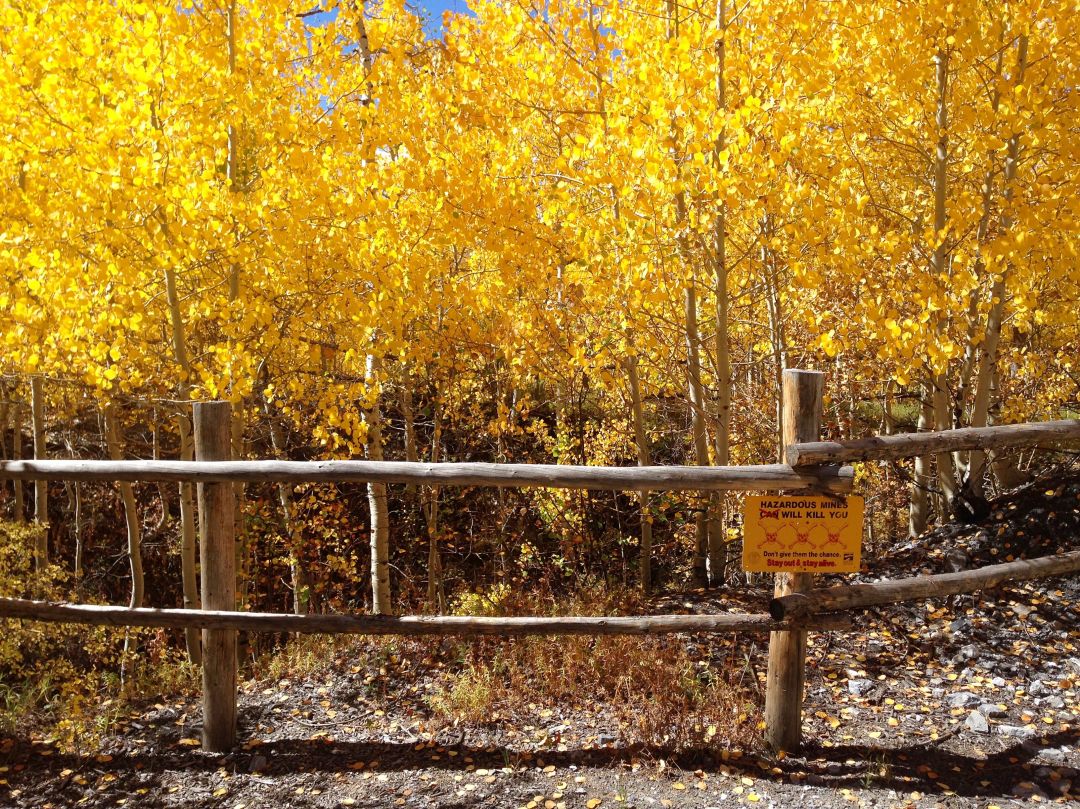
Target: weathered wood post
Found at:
218, 577
802, 392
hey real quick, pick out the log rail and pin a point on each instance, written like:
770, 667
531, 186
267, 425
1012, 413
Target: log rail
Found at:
895, 591
826, 478
102, 615
909, 445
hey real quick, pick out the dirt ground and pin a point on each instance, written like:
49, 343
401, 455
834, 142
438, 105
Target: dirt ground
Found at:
972, 701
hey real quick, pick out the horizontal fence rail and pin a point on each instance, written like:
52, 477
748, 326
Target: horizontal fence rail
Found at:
836, 479
875, 594
908, 445
407, 624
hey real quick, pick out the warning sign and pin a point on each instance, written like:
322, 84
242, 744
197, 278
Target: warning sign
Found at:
808, 534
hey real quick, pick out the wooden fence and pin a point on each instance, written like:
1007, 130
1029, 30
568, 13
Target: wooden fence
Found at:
812, 465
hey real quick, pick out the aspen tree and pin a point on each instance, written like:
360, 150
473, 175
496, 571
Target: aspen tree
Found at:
429, 504
939, 385
5, 412
41, 487
992, 335
641, 442
301, 583
189, 575
971, 348
17, 454
131, 509
717, 547
693, 339
377, 502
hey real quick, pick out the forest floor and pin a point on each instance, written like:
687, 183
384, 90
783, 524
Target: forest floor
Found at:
971, 701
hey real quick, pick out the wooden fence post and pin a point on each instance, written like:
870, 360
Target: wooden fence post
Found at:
787, 650
218, 577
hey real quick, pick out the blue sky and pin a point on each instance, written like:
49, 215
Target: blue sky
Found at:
434, 9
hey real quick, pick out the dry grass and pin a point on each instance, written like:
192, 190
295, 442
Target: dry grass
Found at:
652, 687
653, 690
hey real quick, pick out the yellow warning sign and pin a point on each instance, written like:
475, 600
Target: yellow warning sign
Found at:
807, 534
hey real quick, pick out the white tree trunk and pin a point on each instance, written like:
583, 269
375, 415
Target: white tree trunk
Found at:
641, 441
777, 337
188, 540
430, 506
76, 500
301, 584
946, 473
41, 487
5, 413
697, 415
989, 354
131, 513
722, 439
380, 519
971, 348
919, 509
19, 514
407, 411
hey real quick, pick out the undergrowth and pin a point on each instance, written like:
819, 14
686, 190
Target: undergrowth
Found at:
72, 683
651, 687
68, 682
308, 656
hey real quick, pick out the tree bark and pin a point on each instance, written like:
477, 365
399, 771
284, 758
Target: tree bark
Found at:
412, 454
163, 494
641, 441
76, 499
946, 472
131, 513
41, 487
232, 165
19, 513
971, 349
5, 412
1005, 465
722, 439
377, 503
699, 564
237, 425
701, 449
919, 509
235, 171
723, 351
429, 497
188, 542
777, 337
989, 355
301, 584
75, 506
